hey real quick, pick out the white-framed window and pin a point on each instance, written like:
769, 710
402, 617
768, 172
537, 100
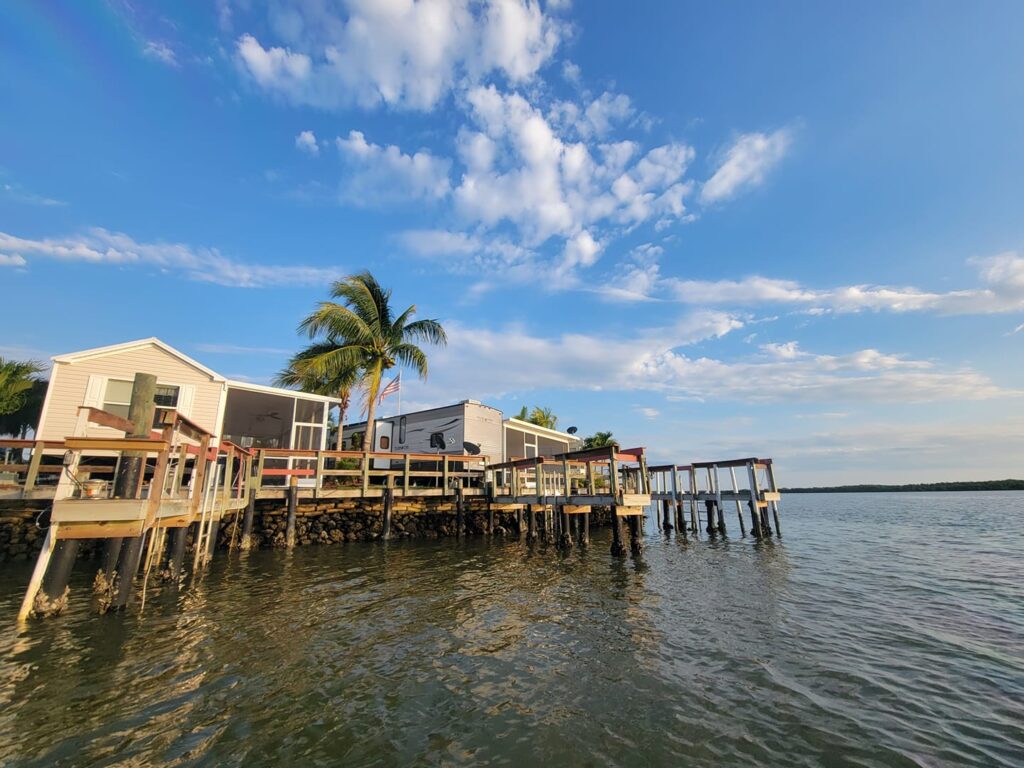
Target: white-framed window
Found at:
117, 396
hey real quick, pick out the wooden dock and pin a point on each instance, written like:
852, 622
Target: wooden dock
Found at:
149, 496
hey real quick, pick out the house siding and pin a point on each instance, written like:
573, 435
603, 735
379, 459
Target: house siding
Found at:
70, 384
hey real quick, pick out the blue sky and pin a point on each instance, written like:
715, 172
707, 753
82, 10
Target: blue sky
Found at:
715, 229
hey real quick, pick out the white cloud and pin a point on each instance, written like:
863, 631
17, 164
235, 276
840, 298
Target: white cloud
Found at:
400, 54
650, 413
382, 173
1002, 277
12, 260
745, 164
19, 194
100, 246
467, 253
306, 142
475, 364
160, 52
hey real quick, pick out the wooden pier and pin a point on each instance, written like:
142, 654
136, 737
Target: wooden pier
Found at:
149, 496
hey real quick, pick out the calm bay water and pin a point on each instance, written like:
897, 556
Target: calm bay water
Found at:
882, 630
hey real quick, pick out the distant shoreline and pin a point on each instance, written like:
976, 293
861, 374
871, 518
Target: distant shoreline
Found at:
977, 485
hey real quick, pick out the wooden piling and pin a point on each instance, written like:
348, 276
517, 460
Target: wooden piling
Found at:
566, 535
531, 523
141, 411
519, 523
666, 511
112, 553
293, 505
709, 510
585, 530
179, 537
389, 503
459, 514
127, 568
36, 580
636, 544
618, 548
55, 582
247, 521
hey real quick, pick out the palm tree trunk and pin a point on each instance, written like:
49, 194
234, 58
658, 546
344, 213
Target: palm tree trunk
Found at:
372, 389
342, 407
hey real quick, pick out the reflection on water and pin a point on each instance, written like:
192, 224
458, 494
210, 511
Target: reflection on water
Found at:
883, 630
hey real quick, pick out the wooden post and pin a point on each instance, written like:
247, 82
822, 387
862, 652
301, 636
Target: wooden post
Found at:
666, 523
179, 537
618, 549
56, 580
33, 469
127, 569
590, 478
389, 501
293, 505
247, 521
211, 539
459, 512
755, 488
694, 519
774, 504
366, 474
636, 544
566, 537
405, 476
531, 523
519, 522
38, 572
141, 411
718, 502
444, 475
755, 513
261, 457
585, 530
739, 506
490, 519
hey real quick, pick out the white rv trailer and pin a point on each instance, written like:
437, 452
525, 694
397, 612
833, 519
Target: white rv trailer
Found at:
467, 428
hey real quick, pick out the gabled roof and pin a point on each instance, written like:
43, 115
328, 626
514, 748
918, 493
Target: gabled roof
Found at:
152, 341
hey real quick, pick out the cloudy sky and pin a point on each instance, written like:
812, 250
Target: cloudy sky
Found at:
716, 229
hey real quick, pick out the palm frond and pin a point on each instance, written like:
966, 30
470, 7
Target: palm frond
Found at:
411, 356
430, 331
338, 322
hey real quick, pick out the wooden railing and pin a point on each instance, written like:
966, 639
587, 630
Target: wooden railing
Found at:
355, 473
599, 472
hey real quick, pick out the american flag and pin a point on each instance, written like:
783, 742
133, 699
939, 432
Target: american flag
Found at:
393, 386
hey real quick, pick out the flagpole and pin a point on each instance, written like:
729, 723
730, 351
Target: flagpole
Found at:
399, 393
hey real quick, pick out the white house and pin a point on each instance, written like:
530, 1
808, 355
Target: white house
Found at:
250, 415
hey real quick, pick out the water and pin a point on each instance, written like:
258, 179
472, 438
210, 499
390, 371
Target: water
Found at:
883, 630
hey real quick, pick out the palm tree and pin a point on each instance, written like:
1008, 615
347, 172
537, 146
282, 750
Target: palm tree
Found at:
598, 440
362, 338
339, 386
543, 417
16, 381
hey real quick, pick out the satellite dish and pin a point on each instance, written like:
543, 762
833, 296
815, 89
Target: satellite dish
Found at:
472, 449
572, 430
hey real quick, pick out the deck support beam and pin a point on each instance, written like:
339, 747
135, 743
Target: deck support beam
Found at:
618, 548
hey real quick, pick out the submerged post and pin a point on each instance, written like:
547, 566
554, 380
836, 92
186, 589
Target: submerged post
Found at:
531, 523
666, 512
293, 504
459, 514
585, 530
739, 506
774, 489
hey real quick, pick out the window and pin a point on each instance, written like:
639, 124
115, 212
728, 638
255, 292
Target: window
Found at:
401, 431
385, 443
437, 440
166, 397
118, 396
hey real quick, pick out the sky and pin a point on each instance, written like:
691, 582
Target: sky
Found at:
725, 229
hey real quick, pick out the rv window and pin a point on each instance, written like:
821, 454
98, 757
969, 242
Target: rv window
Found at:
401, 431
437, 440
385, 442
